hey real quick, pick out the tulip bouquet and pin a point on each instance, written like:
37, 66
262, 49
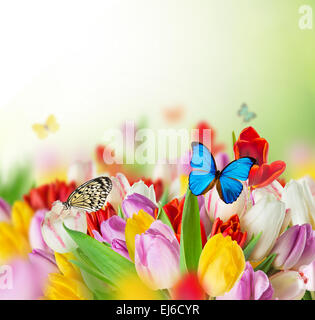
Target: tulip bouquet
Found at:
154, 239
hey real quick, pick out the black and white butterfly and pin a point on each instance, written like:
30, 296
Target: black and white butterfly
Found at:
91, 195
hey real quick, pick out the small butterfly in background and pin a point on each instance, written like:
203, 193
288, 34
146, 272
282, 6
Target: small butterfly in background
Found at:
205, 174
50, 126
91, 195
245, 113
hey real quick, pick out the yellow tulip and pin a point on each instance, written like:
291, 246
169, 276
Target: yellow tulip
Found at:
139, 223
68, 284
132, 288
14, 240
221, 264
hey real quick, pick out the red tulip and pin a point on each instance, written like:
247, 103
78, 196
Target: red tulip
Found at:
188, 288
174, 211
95, 219
251, 144
230, 228
44, 196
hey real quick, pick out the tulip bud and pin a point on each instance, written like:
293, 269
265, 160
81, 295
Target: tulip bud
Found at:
287, 285
220, 253
113, 232
298, 197
54, 234
216, 208
135, 202
295, 247
157, 256
137, 224
119, 190
252, 286
141, 188
308, 271
266, 216
35, 231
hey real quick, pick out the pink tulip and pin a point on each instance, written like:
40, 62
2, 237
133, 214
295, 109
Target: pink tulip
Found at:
135, 202
252, 286
113, 232
24, 279
157, 256
295, 247
35, 232
308, 273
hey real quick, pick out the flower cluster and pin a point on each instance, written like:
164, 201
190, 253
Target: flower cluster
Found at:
154, 239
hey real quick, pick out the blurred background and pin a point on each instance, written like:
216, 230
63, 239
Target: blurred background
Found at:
94, 64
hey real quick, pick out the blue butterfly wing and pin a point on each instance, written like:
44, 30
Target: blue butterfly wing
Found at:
229, 189
204, 169
238, 169
228, 186
202, 158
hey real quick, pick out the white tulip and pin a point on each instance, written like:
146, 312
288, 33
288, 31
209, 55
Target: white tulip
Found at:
298, 197
53, 232
141, 188
266, 216
287, 285
216, 208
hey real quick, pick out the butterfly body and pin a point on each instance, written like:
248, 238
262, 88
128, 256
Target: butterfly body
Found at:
91, 195
205, 175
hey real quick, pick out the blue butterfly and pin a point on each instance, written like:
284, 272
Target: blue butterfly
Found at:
205, 174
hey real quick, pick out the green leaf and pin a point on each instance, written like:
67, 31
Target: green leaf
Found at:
251, 245
110, 264
266, 264
233, 137
120, 213
190, 240
19, 181
307, 296
164, 197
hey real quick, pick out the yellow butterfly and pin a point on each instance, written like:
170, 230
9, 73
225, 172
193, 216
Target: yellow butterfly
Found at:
50, 125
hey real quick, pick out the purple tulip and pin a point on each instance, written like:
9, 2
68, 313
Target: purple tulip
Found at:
135, 202
295, 247
5, 211
157, 256
113, 232
252, 286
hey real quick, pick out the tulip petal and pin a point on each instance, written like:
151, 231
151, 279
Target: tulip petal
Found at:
261, 176
287, 285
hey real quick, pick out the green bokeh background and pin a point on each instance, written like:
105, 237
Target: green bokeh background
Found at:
209, 56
